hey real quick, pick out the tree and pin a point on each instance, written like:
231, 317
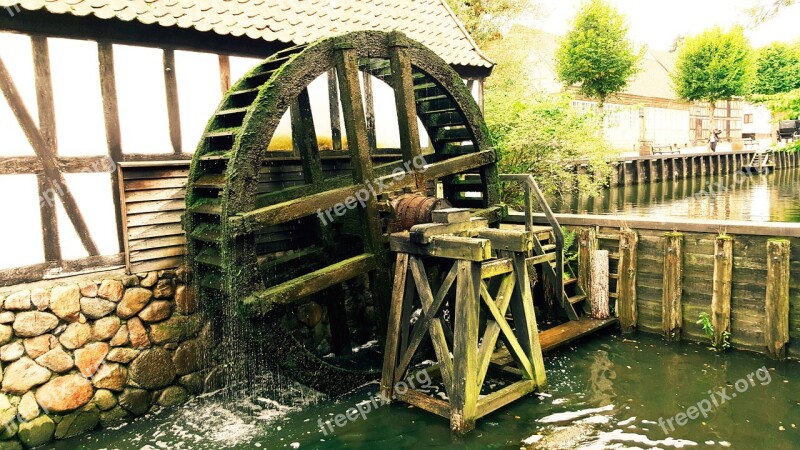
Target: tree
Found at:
597, 54
777, 69
714, 65
538, 133
484, 19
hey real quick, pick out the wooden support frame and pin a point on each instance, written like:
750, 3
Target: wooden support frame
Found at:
173, 106
672, 292
721, 294
626, 303
776, 333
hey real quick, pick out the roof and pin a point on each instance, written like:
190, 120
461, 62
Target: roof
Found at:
430, 22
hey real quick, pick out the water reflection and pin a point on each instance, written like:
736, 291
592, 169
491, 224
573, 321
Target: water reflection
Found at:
774, 197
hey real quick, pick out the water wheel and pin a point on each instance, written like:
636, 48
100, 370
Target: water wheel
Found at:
230, 217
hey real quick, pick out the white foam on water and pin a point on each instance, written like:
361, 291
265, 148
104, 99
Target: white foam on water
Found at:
627, 421
606, 440
532, 439
572, 415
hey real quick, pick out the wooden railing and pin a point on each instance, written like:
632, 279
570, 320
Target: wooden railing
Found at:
531, 189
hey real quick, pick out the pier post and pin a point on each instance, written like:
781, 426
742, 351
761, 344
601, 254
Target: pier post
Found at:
671, 312
641, 177
626, 303
587, 244
721, 281
653, 172
776, 334
598, 293
464, 395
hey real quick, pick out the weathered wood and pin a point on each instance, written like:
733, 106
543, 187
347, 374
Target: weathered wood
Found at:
333, 102
598, 291
49, 162
426, 232
587, 244
392, 345
173, 106
405, 103
487, 345
721, 293
224, 73
626, 303
496, 267
425, 403
526, 328
47, 126
369, 111
451, 215
517, 351
290, 292
777, 298
43, 271
509, 240
496, 400
454, 247
464, 396
304, 138
672, 290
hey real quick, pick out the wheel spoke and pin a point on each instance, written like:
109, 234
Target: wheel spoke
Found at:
406, 105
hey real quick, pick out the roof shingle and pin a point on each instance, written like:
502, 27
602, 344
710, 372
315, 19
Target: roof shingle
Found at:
430, 22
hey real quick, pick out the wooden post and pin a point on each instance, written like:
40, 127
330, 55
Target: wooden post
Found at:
464, 395
394, 325
626, 303
224, 73
599, 288
333, 100
587, 243
671, 312
776, 334
641, 176
721, 294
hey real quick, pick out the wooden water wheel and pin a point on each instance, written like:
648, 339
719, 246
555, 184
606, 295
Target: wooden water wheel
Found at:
230, 217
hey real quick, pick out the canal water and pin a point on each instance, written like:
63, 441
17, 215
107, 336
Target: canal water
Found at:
608, 392
774, 197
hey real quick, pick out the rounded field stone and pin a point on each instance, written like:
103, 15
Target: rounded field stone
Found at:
65, 393
33, 323
152, 369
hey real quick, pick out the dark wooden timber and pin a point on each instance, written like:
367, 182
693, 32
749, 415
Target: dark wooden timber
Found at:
721, 294
672, 311
173, 107
626, 303
47, 127
333, 102
777, 297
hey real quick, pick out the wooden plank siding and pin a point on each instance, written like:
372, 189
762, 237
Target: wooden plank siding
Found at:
748, 287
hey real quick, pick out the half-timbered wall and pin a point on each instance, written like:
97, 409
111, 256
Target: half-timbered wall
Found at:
74, 110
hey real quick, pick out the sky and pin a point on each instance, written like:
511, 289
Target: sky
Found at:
657, 23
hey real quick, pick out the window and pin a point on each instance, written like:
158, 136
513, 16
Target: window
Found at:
748, 118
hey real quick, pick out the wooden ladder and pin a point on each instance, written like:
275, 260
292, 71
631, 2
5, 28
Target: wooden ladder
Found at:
571, 298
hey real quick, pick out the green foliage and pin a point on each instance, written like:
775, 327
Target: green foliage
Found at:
597, 54
570, 253
777, 69
784, 106
714, 65
708, 329
767, 9
483, 19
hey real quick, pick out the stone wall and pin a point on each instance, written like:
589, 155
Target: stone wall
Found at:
80, 355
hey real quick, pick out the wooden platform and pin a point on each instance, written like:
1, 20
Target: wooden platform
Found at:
560, 335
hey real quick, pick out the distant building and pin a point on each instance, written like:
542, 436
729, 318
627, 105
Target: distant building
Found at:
648, 112
756, 122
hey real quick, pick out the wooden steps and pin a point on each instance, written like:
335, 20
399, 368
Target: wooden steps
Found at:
559, 336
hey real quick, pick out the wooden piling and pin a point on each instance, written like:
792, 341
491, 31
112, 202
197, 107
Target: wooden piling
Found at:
598, 292
671, 311
464, 395
721, 282
587, 243
776, 333
626, 303
641, 176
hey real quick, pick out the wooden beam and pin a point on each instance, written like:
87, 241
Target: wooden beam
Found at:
404, 101
54, 177
44, 271
454, 247
776, 333
173, 106
508, 240
333, 102
224, 73
626, 303
425, 233
587, 244
464, 395
369, 109
496, 400
304, 138
108, 90
487, 345
392, 346
672, 292
47, 127
721, 293
284, 294
425, 403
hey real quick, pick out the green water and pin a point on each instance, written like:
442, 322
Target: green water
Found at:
605, 392
774, 197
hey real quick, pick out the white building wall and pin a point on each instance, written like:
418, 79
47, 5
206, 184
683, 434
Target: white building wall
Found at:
761, 123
